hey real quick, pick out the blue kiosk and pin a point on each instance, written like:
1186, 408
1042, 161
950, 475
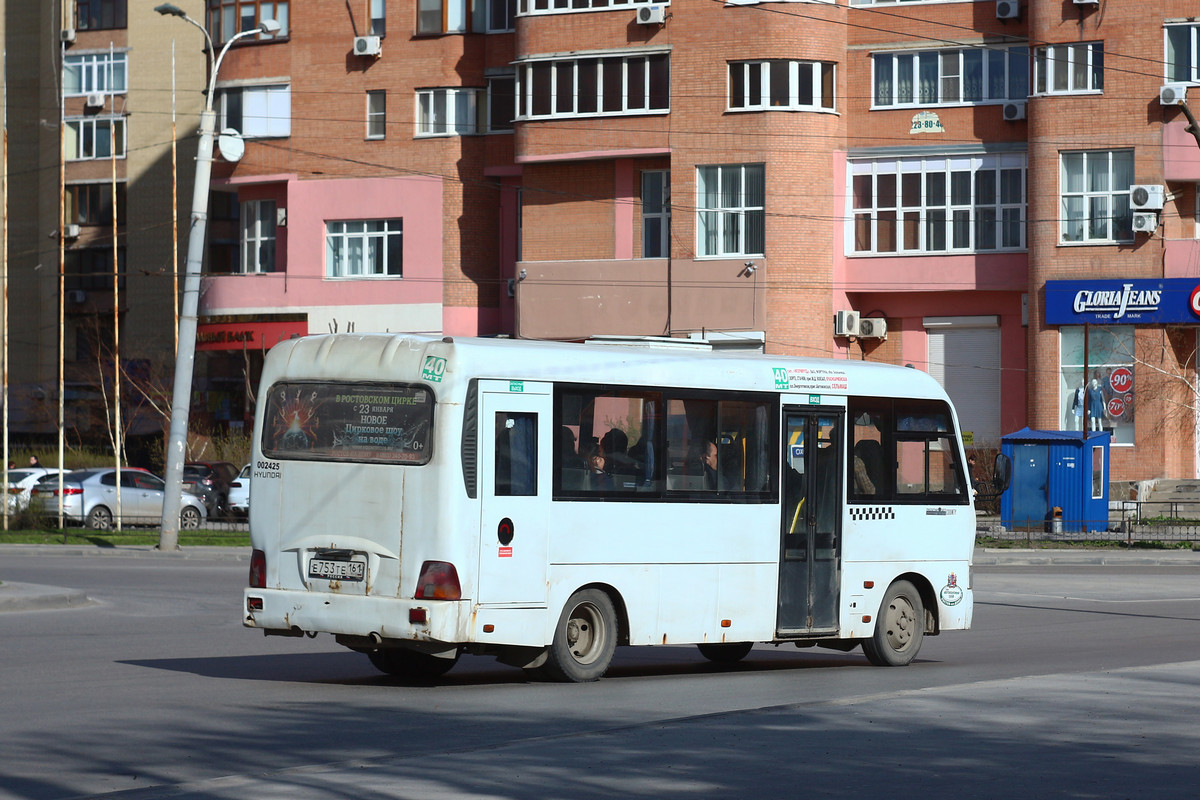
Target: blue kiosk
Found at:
1056, 475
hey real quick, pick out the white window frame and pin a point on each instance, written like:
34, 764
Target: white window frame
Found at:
258, 236
376, 114
435, 17
272, 101
924, 199
554, 71
1181, 52
88, 73
350, 245
79, 130
451, 111
721, 225
758, 81
947, 86
660, 181
1071, 68
225, 22
378, 17
532, 7
1118, 221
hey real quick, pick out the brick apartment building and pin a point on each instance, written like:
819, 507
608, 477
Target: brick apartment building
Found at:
964, 173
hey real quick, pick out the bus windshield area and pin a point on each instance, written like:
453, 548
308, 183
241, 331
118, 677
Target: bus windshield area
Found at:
904, 451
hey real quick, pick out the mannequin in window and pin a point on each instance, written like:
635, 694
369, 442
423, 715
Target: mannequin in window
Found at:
1077, 405
1095, 405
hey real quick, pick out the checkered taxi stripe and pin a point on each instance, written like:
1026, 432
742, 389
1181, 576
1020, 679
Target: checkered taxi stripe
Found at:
866, 513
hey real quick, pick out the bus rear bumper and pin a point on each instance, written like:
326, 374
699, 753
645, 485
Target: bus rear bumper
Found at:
295, 612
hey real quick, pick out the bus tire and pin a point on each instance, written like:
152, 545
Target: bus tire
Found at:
725, 652
584, 639
899, 627
411, 664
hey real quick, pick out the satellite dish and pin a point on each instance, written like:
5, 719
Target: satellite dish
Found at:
230, 145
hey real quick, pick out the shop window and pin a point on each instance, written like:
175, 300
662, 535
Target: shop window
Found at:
731, 210
1105, 385
1094, 190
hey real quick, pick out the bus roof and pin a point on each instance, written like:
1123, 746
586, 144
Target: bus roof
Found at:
449, 361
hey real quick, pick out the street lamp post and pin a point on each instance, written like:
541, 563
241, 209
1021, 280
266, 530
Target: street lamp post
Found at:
185, 356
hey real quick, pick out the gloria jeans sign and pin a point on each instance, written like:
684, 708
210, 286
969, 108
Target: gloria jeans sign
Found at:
1128, 302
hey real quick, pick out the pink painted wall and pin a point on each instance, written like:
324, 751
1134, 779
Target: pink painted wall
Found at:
301, 280
1181, 156
1181, 258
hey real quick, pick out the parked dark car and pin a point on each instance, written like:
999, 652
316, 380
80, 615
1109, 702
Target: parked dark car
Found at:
209, 480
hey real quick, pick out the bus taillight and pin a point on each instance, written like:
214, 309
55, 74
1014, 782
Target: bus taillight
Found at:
438, 581
258, 570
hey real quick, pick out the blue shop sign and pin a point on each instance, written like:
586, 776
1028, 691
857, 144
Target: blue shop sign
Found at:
1128, 302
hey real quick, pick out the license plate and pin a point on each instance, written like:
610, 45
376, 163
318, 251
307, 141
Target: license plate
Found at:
337, 570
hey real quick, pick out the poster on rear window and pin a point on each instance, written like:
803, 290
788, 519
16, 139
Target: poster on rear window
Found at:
348, 422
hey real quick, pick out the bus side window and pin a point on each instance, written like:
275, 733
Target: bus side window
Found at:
516, 454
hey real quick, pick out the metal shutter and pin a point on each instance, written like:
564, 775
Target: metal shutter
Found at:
966, 362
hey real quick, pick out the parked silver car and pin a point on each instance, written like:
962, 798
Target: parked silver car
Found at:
20, 481
90, 497
239, 493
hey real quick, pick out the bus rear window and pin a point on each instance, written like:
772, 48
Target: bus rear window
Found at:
384, 423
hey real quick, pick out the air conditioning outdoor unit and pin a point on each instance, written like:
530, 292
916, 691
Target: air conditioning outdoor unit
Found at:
1007, 9
1146, 197
652, 15
845, 323
71, 231
368, 45
1014, 110
1172, 94
1087, 2
94, 100
66, 35
76, 296
1145, 222
872, 328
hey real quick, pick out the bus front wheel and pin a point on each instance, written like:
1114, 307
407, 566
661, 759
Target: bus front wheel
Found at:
725, 652
411, 664
899, 627
584, 639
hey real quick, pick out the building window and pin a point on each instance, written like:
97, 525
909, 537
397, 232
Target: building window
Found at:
95, 72
780, 86
568, 6
594, 86
95, 137
1094, 187
938, 204
258, 236
1106, 382
448, 112
378, 17
1069, 68
376, 114
1183, 52
443, 16
92, 15
950, 77
257, 111
730, 217
91, 204
656, 214
372, 248
501, 15
227, 18
92, 269
502, 102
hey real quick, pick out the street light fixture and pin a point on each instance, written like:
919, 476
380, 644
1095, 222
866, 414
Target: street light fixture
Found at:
185, 357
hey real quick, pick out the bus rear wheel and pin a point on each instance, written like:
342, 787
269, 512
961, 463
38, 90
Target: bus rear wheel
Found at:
411, 664
725, 652
899, 627
584, 639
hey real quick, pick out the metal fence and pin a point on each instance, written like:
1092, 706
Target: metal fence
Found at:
1130, 521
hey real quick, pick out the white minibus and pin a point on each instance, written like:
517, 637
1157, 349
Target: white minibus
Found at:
421, 497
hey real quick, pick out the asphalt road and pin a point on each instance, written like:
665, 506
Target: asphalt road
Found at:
1077, 681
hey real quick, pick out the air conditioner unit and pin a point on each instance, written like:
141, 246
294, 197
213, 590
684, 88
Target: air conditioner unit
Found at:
1172, 94
1087, 2
1146, 197
1014, 110
845, 323
872, 328
368, 45
652, 15
94, 100
1007, 9
76, 296
1145, 222
71, 231
66, 35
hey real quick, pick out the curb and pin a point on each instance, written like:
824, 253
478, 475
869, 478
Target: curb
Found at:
32, 597
127, 551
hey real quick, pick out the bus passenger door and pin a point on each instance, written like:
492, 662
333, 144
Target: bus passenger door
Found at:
514, 470
810, 552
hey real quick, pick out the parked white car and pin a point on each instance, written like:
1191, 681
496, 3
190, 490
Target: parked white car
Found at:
90, 497
20, 481
239, 493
